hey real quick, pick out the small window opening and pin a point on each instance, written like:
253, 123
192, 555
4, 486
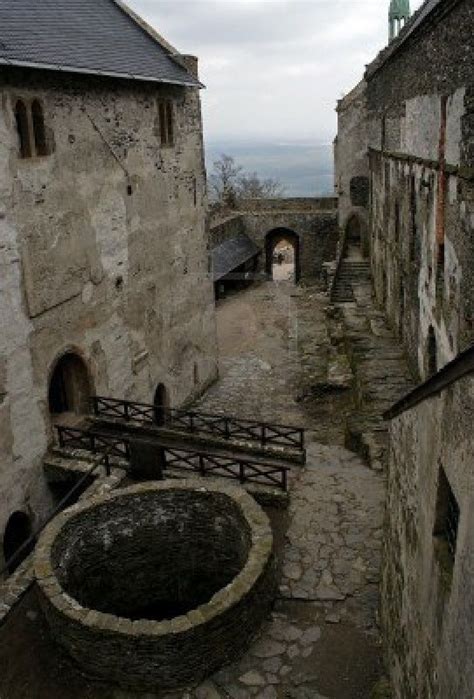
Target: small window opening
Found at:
21, 117
446, 523
165, 111
440, 270
432, 353
38, 128
196, 374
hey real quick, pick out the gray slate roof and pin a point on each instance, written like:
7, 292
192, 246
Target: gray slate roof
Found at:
231, 254
85, 36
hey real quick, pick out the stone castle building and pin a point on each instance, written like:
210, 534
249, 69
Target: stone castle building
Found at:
106, 288
405, 179
104, 282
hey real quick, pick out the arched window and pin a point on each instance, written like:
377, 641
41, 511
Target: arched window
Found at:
166, 116
38, 128
22, 125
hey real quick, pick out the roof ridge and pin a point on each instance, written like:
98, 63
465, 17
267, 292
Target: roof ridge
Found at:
173, 52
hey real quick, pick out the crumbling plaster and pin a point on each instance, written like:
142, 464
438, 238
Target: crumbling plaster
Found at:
103, 248
427, 620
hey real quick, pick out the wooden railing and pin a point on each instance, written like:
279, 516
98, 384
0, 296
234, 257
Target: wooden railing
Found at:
221, 426
237, 469
178, 459
94, 442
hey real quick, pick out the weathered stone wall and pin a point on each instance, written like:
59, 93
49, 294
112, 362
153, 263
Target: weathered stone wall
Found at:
351, 159
427, 612
117, 554
314, 221
103, 251
296, 204
226, 228
421, 136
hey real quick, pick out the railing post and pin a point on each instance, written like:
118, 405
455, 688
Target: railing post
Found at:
227, 428
241, 472
92, 443
302, 439
126, 410
264, 435
61, 436
95, 405
191, 422
107, 465
202, 467
285, 480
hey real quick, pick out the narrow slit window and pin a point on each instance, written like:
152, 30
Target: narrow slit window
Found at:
165, 110
446, 522
162, 115
21, 117
169, 123
38, 128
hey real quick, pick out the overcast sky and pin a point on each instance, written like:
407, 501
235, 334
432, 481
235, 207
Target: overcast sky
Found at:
273, 69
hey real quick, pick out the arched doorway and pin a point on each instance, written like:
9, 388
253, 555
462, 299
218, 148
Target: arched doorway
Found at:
17, 533
161, 403
282, 255
69, 386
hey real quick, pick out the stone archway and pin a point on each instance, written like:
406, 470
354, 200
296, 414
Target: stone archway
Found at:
275, 238
17, 532
70, 386
161, 402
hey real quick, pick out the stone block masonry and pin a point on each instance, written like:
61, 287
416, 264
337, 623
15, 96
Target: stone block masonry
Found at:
157, 586
103, 255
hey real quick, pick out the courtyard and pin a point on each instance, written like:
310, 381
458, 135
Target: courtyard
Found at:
281, 359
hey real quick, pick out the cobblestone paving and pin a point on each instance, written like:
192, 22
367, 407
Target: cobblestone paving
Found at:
283, 359
322, 640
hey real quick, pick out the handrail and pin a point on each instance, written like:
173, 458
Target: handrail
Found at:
34, 537
461, 366
181, 457
195, 421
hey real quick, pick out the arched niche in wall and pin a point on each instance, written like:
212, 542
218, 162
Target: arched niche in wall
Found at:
17, 533
161, 402
70, 386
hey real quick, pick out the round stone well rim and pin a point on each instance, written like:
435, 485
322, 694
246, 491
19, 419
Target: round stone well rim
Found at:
258, 558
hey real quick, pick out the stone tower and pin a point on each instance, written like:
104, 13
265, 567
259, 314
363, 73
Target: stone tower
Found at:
398, 16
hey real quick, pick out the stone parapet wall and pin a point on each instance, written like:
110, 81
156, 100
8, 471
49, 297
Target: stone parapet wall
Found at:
290, 204
427, 597
189, 527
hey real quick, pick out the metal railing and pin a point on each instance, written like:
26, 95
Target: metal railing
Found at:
12, 563
222, 426
177, 458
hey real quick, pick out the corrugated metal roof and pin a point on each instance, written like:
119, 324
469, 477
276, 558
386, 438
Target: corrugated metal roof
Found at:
231, 254
85, 36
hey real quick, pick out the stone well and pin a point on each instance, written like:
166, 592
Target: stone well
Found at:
157, 585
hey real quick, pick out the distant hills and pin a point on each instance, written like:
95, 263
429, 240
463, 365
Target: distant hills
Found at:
304, 169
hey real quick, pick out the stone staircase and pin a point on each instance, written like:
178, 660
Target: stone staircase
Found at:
380, 371
352, 272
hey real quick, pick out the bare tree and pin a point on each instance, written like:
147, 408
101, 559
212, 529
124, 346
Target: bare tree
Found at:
229, 183
224, 180
250, 186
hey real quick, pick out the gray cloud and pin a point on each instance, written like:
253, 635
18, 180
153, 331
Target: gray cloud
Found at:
274, 69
